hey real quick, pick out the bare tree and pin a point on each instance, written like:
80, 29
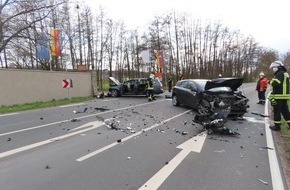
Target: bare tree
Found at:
15, 19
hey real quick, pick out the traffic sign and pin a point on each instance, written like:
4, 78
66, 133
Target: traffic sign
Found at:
67, 83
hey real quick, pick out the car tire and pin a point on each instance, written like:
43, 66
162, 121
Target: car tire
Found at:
175, 101
204, 108
115, 93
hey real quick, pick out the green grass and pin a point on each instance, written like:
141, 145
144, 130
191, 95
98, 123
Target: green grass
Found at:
37, 105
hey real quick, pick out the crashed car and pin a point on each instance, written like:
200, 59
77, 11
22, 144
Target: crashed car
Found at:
136, 86
206, 96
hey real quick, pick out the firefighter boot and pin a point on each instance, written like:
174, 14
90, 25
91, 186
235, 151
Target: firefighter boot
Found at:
150, 98
275, 128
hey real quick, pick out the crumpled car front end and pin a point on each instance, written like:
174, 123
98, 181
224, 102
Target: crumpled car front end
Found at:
223, 101
232, 97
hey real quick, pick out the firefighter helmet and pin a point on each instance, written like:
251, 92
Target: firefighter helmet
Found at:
276, 64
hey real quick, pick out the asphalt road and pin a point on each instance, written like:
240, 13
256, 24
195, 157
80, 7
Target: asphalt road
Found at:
155, 146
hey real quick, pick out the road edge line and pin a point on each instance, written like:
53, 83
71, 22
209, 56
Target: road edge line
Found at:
276, 174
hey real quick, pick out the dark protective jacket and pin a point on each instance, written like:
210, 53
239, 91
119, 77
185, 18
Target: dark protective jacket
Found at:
149, 84
280, 85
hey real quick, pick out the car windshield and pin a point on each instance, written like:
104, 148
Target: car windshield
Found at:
201, 85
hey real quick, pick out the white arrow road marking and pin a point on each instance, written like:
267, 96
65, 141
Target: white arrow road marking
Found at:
94, 125
127, 138
194, 144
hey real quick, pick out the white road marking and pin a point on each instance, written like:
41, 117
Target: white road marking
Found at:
58, 122
108, 100
31, 128
254, 120
126, 138
194, 144
69, 105
276, 175
8, 114
34, 145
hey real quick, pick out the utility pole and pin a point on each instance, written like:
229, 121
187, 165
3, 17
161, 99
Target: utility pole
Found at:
80, 36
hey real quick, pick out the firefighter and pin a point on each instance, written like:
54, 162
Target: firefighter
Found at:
150, 88
279, 94
261, 88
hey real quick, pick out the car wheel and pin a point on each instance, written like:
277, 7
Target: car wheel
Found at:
175, 101
204, 107
115, 93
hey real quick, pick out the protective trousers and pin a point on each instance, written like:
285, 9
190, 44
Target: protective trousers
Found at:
281, 108
150, 94
261, 96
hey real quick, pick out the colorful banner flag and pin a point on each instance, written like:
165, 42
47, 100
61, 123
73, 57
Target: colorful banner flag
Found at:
42, 47
159, 59
145, 55
54, 45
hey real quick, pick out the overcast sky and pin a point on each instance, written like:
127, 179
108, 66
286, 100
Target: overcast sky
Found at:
268, 21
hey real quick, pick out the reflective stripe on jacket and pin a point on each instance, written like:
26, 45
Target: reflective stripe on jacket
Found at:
150, 84
280, 85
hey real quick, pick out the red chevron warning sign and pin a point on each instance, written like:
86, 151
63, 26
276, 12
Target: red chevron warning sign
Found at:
66, 83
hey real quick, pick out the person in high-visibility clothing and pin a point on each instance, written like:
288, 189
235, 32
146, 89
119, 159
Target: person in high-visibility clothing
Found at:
279, 94
261, 88
150, 89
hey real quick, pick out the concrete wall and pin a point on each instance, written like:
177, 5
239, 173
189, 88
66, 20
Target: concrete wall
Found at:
26, 86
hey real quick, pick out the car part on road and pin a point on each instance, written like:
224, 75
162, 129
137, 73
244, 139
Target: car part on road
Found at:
259, 114
215, 121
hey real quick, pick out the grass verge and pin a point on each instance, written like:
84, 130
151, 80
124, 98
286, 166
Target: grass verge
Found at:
285, 133
37, 105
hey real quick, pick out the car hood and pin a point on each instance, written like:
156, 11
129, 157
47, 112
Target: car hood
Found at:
114, 80
233, 83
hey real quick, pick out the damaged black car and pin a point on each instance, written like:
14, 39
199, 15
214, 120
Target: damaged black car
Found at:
136, 86
206, 96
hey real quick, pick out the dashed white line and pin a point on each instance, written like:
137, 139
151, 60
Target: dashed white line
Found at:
34, 145
8, 114
126, 138
71, 105
58, 122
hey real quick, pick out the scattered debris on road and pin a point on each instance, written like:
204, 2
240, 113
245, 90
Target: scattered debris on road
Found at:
259, 114
215, 121
267, 148
75, 120
262, 181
